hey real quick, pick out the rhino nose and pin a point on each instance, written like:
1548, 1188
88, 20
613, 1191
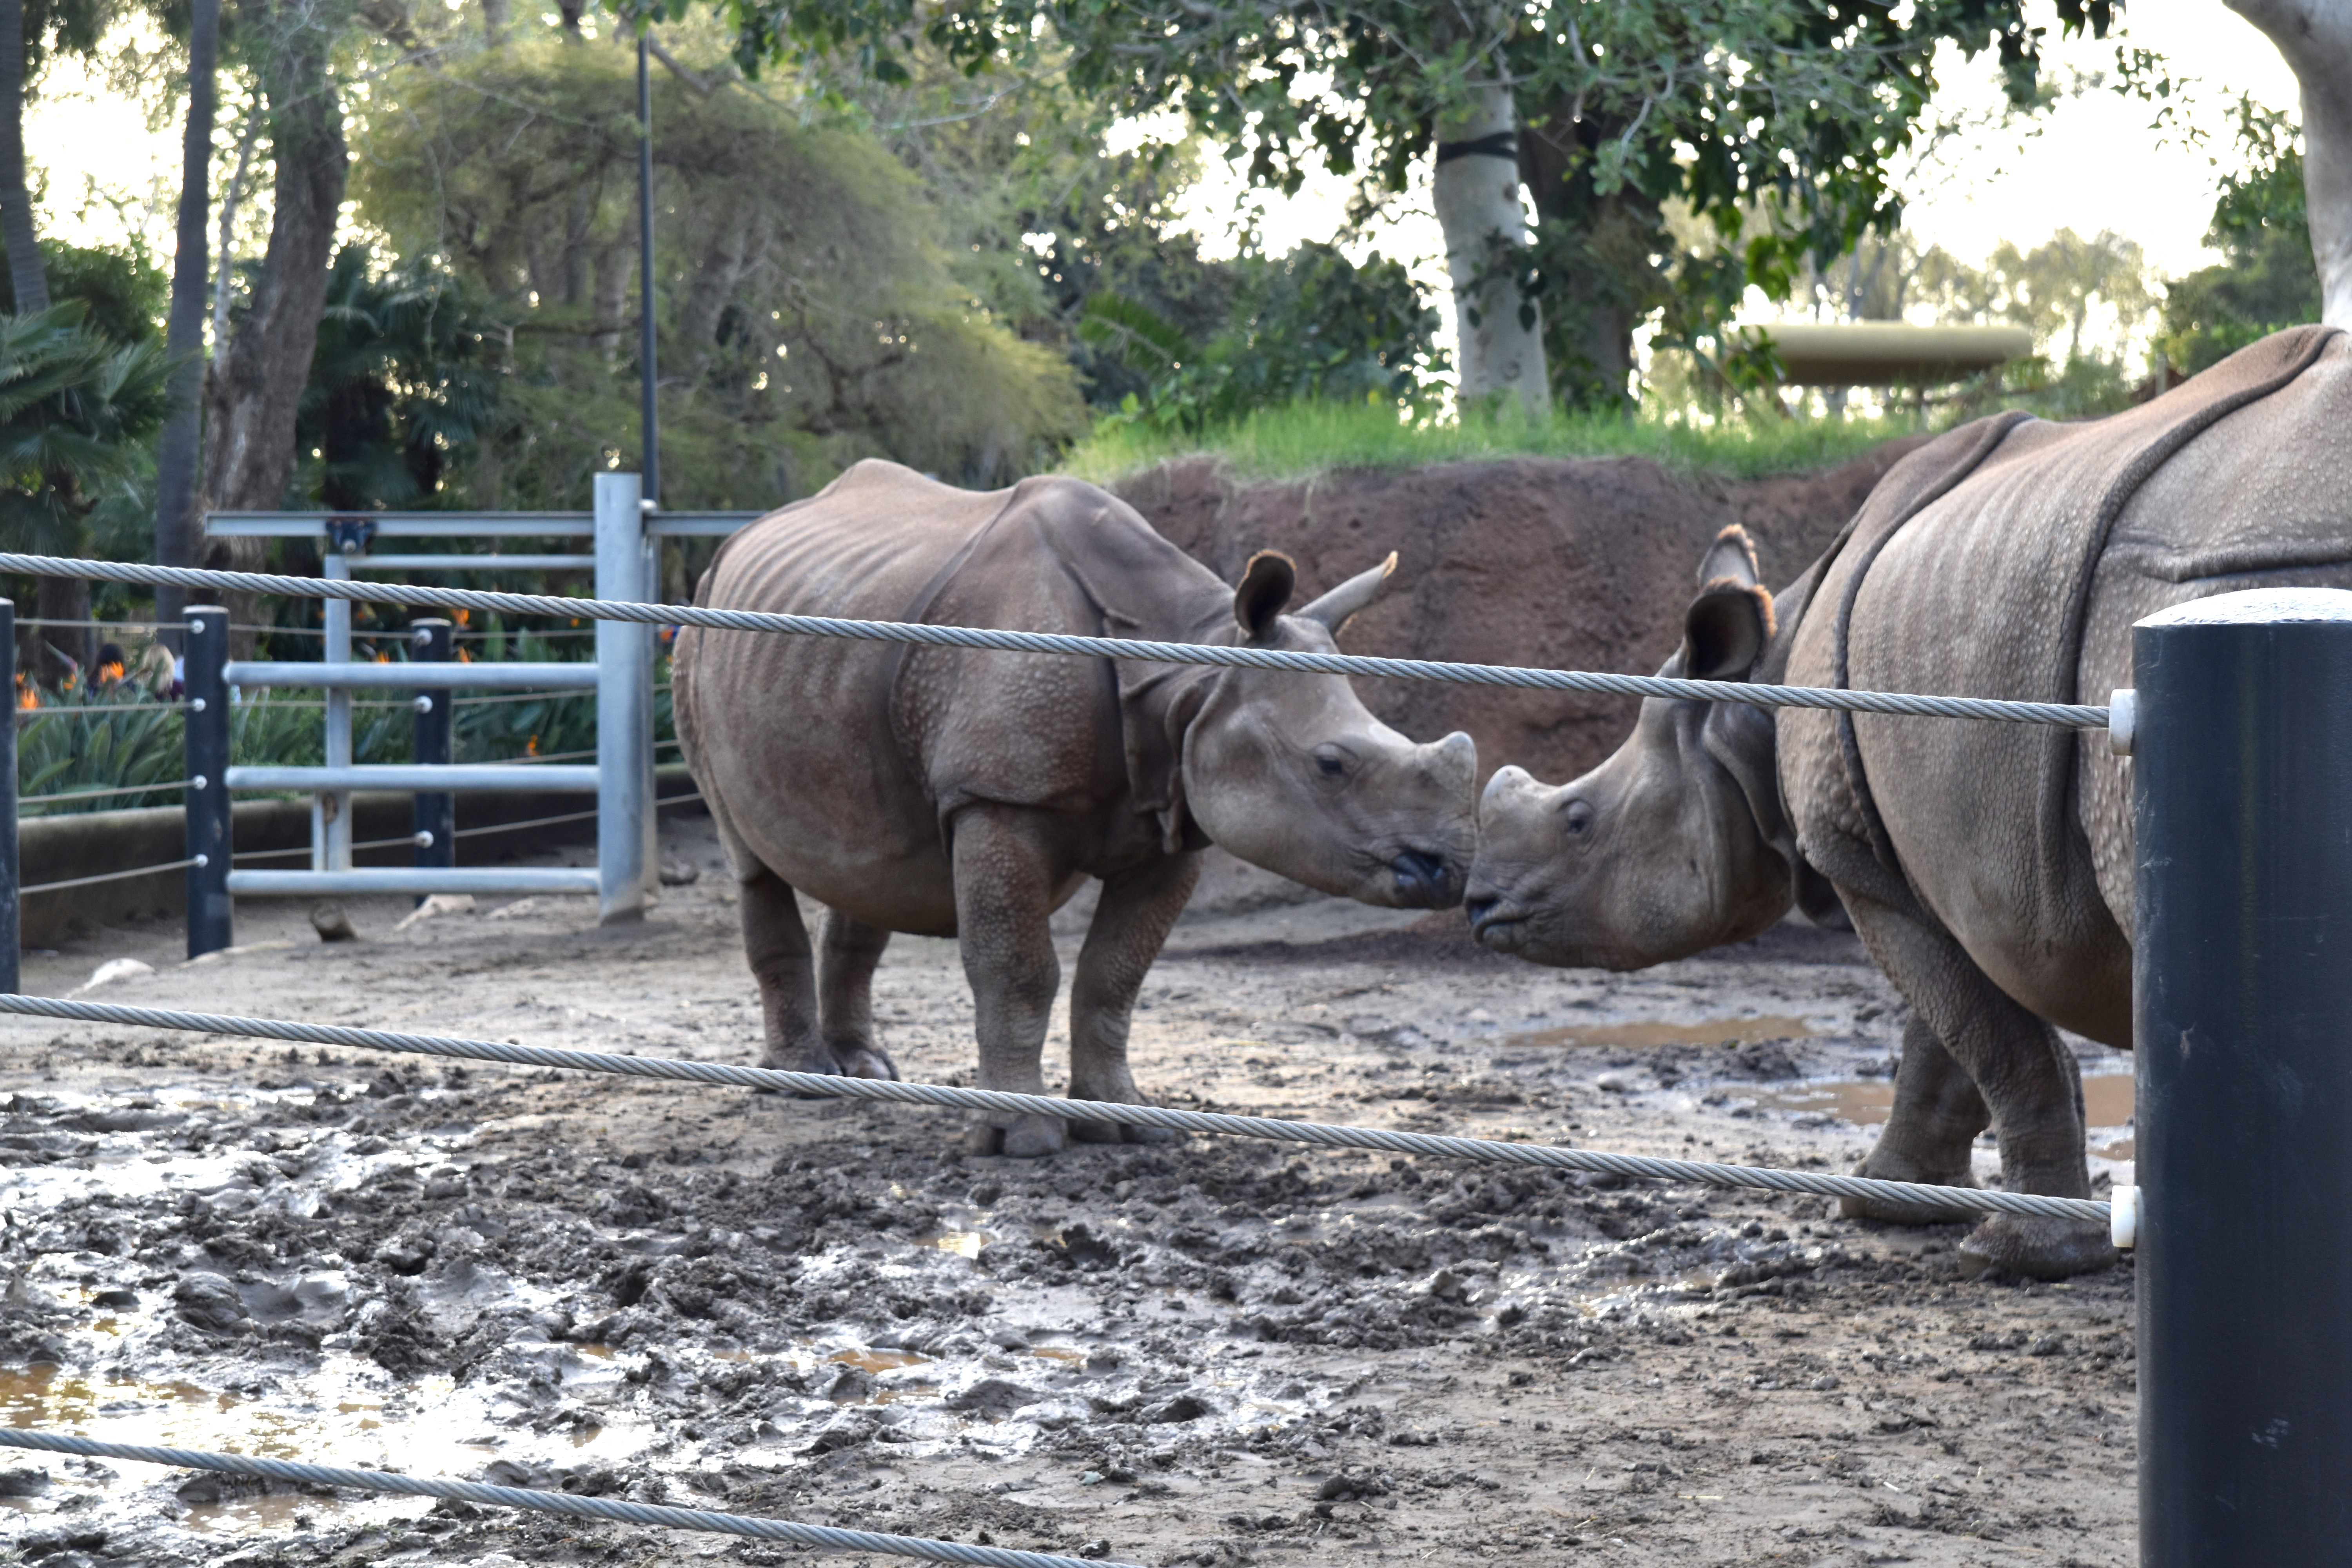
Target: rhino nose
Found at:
1420, 876
1479, 907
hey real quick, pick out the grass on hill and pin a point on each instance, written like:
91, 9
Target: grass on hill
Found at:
1304, 440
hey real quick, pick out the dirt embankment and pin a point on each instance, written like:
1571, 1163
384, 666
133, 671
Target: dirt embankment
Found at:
1574, 564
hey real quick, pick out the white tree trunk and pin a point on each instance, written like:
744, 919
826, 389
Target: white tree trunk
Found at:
2316, 37
1478, 199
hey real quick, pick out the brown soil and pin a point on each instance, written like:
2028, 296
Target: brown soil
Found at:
1583, 564
1212, 1352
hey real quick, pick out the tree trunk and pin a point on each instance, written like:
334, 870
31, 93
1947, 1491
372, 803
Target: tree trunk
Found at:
28, 283
63, 649
1600, 282
2316, 37
494, 22
183, 334
258, 374
1476, 189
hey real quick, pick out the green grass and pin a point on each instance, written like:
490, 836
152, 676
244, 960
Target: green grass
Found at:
1305, 439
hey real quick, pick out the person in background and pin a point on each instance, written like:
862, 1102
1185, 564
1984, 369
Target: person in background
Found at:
159, 672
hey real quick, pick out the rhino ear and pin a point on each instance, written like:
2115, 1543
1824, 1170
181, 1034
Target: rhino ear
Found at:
1264, 592
1733, 555
1725, 629
1357, 592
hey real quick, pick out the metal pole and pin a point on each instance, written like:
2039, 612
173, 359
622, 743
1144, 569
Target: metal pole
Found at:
649, 371
212, 915
2242, 802
435, 815
11, 916
624, 708
331, 813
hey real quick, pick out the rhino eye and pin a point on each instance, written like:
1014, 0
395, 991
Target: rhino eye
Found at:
1331, 760
1578, 819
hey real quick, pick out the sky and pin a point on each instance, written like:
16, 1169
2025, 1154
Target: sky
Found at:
2094, 164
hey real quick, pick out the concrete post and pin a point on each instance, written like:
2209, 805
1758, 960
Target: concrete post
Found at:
2242, 802
211, 919
624, 708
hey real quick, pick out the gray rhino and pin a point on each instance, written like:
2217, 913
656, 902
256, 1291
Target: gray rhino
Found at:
1986, 866
963, 792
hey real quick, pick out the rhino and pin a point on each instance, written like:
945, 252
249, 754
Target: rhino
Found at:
965, 793
1986, 867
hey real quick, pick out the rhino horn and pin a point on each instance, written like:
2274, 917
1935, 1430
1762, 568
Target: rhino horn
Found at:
1268, 582
1733, 555
1357, 592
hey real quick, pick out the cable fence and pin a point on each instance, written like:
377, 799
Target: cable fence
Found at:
2069, 715
823, 1538
1696, 1172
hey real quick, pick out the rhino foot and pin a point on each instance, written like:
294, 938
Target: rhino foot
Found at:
2036, 1248
1120, 1132
1028, 1138
865, 1061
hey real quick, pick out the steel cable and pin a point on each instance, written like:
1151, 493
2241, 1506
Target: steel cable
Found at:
823, 1537
1323, 1134
2063, 714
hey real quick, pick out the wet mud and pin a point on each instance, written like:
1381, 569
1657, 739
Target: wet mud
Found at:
1210, 1352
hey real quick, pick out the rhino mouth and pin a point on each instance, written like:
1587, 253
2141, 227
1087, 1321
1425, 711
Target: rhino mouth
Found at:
1497, 924
1423, 879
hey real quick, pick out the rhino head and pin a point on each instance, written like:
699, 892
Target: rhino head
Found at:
1677, 842
1292, 773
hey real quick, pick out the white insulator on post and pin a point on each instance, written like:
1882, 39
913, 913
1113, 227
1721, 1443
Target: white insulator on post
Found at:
2123, 1218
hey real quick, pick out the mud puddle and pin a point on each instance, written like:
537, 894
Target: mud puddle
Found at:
1650, 1035
1866, 1102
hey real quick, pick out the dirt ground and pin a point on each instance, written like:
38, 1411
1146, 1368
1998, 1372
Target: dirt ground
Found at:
1216, 1352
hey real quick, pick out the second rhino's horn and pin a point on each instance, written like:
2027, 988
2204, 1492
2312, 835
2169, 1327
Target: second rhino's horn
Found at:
1358, 592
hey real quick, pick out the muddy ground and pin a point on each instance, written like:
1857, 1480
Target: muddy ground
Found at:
1212, 1352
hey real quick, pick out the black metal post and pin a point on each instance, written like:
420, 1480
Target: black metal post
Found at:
2241, 785
11, 914
436, 816
212, 915
649, 375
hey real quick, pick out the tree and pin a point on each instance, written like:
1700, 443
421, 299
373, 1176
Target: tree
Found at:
28, 287
815, 309
253, 396
399, 393
76, 407
1312, 326
2262, 224
2316, 37
177, 455
1797, 108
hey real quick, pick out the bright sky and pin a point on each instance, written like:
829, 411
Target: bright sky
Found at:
2093, 165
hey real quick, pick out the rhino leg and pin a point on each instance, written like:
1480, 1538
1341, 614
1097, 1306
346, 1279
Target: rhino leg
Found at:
2027, 1078
776, 941
1930, 1132
1004, 886
1130, 923
847, 951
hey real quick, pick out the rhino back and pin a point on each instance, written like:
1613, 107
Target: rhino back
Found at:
2000, 586
2263, 499
834, 761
